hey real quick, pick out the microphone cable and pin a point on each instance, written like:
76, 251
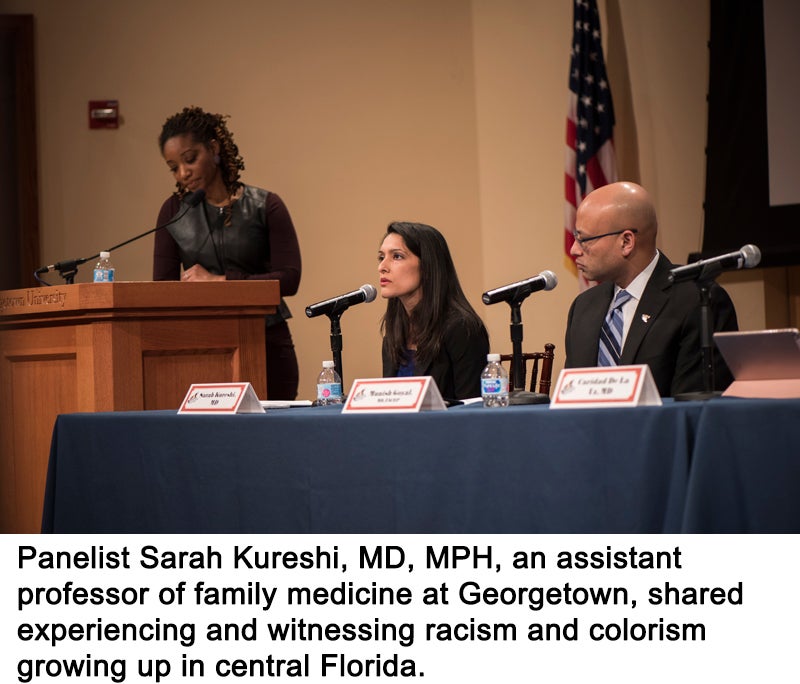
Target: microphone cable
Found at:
220, 261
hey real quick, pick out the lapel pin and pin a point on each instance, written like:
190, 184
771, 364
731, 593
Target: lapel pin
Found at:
645, 318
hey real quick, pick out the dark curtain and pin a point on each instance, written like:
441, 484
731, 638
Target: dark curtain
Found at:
19, 228
737, 209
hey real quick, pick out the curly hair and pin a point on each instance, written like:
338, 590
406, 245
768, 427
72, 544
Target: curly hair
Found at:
204, 128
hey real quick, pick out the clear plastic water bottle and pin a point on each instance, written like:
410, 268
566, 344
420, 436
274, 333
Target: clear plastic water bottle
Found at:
494, 383
329, 385
103, 269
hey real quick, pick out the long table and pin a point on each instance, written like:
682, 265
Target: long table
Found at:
729, 465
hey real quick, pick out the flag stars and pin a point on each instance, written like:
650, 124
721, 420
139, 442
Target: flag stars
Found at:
591, 109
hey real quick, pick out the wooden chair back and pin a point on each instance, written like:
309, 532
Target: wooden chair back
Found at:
546, 357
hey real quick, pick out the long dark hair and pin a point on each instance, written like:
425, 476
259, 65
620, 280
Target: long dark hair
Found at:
204, 128
442, 303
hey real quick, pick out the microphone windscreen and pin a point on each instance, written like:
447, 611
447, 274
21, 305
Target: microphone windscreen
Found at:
752, 256
550, 280
369, 292
194, 198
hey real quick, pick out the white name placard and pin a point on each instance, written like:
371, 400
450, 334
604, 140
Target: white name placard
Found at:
394, 395
606, 386
220, 399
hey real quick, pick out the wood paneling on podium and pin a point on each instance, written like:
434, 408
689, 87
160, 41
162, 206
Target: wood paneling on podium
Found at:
113, 347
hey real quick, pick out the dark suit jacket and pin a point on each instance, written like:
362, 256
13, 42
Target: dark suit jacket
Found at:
457, 369
664, 334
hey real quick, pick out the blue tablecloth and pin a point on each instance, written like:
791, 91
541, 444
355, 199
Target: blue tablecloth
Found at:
745, 474
688, 466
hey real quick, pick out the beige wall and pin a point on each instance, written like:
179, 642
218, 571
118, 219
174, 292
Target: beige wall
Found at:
361, 112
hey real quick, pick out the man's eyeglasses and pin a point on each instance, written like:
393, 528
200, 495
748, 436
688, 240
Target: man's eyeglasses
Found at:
583, 240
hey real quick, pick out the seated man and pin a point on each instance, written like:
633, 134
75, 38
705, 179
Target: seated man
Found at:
635, 315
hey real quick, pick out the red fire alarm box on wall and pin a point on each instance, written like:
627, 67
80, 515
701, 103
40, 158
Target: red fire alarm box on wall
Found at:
104, 114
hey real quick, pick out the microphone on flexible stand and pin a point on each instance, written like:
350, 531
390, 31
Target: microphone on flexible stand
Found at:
515, 294
365, 293
68, 269
64, 266
333, 308
703, 273
748, 256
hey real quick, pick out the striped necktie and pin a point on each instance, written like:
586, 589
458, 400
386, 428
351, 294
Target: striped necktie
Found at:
610, 345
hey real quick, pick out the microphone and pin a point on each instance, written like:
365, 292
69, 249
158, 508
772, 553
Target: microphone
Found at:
516, 292
748, 256
191, 200
365, 293
69, 265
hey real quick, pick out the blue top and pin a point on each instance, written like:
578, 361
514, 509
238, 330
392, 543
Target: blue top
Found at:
407, 369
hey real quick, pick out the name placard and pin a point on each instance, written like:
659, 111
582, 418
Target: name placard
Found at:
221, 399
606, 386
394, 395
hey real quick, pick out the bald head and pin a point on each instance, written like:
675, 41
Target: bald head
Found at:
627, 205
625, 212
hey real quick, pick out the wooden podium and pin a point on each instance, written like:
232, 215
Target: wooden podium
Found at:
127, 346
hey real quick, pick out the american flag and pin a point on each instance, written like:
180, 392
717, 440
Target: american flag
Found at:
590, 118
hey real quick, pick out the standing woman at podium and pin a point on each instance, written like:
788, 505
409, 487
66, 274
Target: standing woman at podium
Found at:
238, 232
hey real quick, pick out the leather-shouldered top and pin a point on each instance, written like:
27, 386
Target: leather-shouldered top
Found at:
243, 246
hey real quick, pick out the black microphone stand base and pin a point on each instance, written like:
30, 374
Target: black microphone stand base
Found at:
518, 396
521, 397
68, 274
697, 396
706, 346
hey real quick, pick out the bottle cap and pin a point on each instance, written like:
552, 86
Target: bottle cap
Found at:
492, 357
105, 255
327, 364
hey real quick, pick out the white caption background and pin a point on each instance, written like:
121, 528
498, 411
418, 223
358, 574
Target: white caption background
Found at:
751, 641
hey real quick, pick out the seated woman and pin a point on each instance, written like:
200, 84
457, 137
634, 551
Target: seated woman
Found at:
429, 327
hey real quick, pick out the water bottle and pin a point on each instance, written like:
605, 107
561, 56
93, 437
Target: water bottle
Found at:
329, 385
103, 269
494, 382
